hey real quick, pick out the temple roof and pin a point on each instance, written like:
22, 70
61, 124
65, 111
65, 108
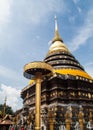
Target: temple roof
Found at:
6, 120
61, 59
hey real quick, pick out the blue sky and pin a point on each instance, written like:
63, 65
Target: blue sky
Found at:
26, 29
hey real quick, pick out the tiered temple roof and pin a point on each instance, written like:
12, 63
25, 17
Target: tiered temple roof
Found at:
63, 62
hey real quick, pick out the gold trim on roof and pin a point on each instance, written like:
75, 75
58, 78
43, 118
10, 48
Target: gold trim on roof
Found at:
31, 81
73, 72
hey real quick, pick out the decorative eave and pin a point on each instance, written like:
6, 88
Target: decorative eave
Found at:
74, 72
70, 77
64, 74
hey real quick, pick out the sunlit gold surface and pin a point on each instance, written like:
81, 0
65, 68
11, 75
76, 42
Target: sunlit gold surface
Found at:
57, 36
37, 69
31, 81
38, 101
58, 45
73, 72
37, 65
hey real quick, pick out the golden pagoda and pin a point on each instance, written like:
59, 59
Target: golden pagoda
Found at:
66, 93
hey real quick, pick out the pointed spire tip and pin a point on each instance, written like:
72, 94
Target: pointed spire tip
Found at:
57, 36
56, 26
55, 17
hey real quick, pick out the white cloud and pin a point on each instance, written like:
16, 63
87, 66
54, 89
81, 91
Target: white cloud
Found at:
11, 75
34, 12
83, 33
19, 13
13, 96
5, 6
5, 19
29, 11
7, 73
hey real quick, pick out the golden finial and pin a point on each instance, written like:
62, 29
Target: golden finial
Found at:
57, 36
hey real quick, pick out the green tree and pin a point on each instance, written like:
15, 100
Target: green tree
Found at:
8, 109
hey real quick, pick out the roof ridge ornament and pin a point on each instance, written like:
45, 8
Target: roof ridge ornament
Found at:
57, 35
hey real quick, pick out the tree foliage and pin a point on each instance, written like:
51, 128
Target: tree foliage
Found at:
8, 109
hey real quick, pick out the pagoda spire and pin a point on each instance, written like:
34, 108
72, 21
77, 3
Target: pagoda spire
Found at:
4, 106
57, 35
